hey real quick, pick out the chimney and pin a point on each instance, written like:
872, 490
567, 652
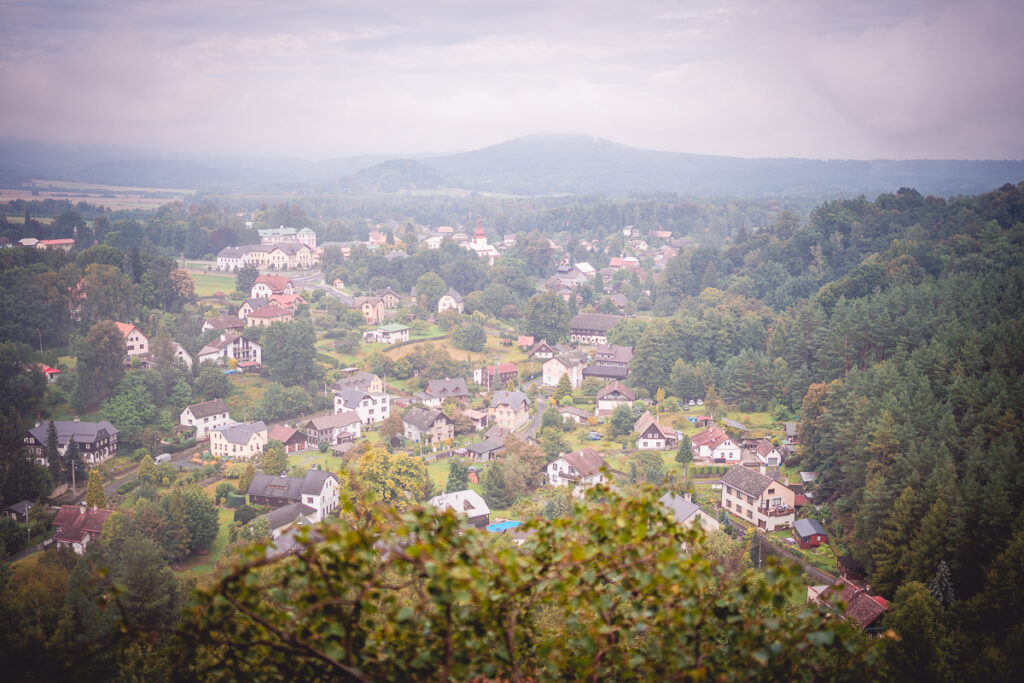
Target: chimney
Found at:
82, 508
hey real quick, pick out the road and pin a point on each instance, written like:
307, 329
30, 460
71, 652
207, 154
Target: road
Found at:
183, 461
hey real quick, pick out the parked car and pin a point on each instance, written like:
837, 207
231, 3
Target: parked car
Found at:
692, 402
700, 401
594, 436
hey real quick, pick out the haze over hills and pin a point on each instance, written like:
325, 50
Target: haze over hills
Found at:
530, 165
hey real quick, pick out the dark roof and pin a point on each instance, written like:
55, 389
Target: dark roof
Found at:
357, 380
19, 508
806, 528
750, 482
573, 410
287, 514
616, 386
84, 432
241, 434
647, 420
516, 399
351, 398
454, 295
610, 353
284, 434
681, 508
734, 424
594, 321
289, 488
207, 408
615, 372
447, 387
74, 521
225, 322
487, 446
331, 421
792, 428
313, 482
423, 418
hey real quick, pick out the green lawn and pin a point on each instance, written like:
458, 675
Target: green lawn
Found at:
198, 565
207, 284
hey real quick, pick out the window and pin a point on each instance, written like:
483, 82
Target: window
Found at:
771, 490
750, 515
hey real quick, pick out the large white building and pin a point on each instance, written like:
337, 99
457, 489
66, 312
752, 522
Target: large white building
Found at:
206, 416
240, 441
370, 407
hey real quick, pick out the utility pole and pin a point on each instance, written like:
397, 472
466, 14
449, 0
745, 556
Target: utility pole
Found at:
28, 527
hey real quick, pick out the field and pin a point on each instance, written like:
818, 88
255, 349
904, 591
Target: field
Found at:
111, 196
208, 284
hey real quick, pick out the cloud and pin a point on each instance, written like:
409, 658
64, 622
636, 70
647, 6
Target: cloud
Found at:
321, 79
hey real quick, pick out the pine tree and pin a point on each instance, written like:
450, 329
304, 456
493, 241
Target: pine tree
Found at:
246, 479
685, 453
495, 490
74, 467
94, 496
941, 585
147, 470
176, 538
889, 549
53, 454
458, 476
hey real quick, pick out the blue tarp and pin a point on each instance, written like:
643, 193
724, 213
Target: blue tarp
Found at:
692, 419
503, 526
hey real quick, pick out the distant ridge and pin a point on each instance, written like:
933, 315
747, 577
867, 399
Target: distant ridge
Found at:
530, 165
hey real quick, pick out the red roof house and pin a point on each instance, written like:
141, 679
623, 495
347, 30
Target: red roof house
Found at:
77, 525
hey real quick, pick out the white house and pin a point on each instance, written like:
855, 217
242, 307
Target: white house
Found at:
570, 363
392, 333
268, 285
468, 504
317, 490
613, 395
767, 453
230, 345
205, 416
758, 499
687, 513
369, 407
334, 429
579, 469
135, 343
181, 355
450, 301
651, 435
510, 409
240, 442
714, 444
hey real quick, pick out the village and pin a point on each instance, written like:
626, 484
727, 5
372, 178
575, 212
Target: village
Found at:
557, 416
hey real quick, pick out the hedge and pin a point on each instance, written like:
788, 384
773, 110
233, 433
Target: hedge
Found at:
235, 500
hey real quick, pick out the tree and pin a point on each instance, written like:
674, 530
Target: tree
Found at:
74, 467
101, 360
131, 409
274, 458
467, 605
22, 384
429, 290
551, 442
94, 496
147, 470
684, 455
564, 388
392, 426
920, 651
245, 480
546, 316
621, 422
53, 462
200, 517
646, 467
222, 491
470, 337
551, 419
397, 479
245, 278
289, 353
212, 383
496, 491
458, 476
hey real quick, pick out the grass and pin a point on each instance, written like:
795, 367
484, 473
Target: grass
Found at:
208, 284
822, 557
198, 565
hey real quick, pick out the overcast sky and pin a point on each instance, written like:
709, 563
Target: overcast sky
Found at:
318, 79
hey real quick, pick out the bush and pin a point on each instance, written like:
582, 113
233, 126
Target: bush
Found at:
245, 514
234, 500
178, 447
127, 486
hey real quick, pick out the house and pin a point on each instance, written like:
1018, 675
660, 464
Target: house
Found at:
651, 435
612, 355
292, 439
793, 432
605, 372
524, 342
240, 442
809, 533
767, 453
267, 285
468, 504
371, 307
283, 235
181, 355
486, 450
51, 373
573, 413
495, 377
542, 351
75, 526
612, 395
570, 363
97, 441
18, 512
280, 520
758, 499
334, 428
232, 258
389, 298
205, 416
861, 608
392, 333
440, 389
230, 345
287, 301
317, 489
586, 269
135, 343
715, 445
450, 301
428, 426
510, 409
370, 407
479, 418
65, 244
687, 513
269, 315
364, 381
251, 305
579, 469
592, 328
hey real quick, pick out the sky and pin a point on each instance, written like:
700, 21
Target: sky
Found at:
859, 79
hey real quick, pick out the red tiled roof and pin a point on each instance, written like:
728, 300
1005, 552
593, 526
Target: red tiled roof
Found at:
271, 311
277, 283
72, 523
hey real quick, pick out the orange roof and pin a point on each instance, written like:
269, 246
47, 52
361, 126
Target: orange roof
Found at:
126, 328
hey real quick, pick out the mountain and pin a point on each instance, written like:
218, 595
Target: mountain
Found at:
531, 165
552, 164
